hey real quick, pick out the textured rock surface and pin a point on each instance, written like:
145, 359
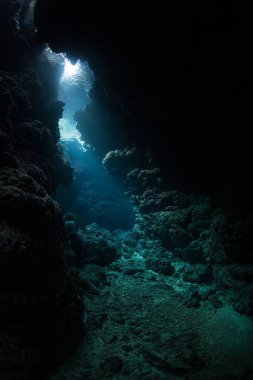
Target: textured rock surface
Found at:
41, 306
95, 245
188, 237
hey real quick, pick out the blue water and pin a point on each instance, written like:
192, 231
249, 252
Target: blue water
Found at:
94, 196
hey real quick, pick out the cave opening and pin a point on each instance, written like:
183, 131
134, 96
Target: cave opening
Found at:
94, 196
74, 84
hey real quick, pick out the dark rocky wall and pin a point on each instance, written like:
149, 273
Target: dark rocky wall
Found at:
40, 303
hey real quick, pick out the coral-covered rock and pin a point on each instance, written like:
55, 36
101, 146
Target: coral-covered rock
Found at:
189, 224
25, 203
170, 200
41, 305
141, 180
26, 142
122, 161
161, 223
95, 245
22, 95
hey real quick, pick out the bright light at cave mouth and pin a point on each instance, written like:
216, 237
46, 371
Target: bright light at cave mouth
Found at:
69, 132
74, 86
69, 69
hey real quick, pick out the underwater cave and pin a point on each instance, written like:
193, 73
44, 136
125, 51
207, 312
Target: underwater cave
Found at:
93, 196
125, 191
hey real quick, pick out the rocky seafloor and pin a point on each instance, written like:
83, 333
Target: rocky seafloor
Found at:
163, 300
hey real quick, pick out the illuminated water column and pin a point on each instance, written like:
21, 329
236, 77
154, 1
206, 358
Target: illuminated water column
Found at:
74, 87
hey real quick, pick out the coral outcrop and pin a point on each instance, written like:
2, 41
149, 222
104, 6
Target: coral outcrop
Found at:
95, 245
